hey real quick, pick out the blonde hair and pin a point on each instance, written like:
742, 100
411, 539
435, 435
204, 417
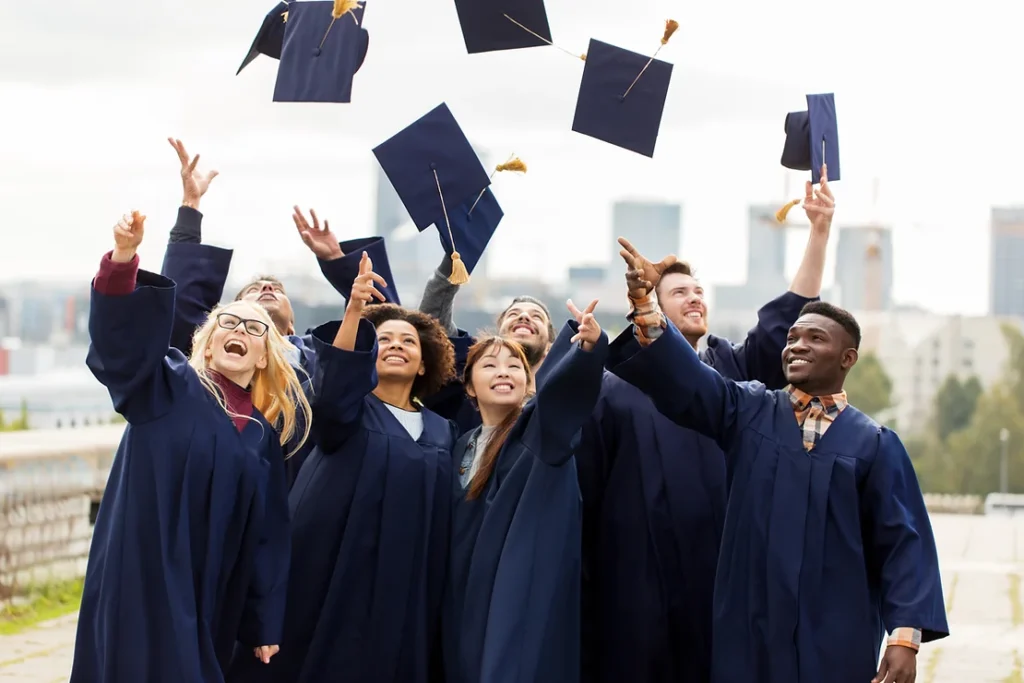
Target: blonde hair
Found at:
276, 389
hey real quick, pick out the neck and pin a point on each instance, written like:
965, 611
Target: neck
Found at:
398, 394
693, 341
242, 379
491, 416
823, 389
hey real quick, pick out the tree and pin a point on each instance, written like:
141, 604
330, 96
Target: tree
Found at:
868, 386
974, 453
954, 405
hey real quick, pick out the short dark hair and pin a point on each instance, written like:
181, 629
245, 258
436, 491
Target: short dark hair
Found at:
841, 317
677, 268
256, 280
530, 300
438, 352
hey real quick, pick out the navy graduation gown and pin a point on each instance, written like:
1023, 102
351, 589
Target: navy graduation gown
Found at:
370, 523
512, 605
822, 551
189, 551
200, 271
654, 497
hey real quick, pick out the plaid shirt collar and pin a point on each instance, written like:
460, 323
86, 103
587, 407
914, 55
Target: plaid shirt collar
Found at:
831, 404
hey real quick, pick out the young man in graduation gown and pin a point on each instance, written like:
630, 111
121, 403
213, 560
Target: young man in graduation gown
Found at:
653, 492
827, 544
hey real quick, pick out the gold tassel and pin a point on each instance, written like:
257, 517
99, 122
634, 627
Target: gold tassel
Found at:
515, 164
343, 7
583, 56
781, 214
670, 27
460, 275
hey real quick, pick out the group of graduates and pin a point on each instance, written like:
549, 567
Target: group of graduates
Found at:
388, 499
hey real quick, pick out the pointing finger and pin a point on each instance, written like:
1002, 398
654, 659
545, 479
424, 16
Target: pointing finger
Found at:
625, 244
316, 221
195, 162
572, 309
590, 308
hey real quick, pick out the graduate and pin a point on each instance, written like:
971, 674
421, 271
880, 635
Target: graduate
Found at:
827, 543
371, 506
191, 544
512, 607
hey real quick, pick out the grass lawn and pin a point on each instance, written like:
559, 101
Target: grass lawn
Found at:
43, 603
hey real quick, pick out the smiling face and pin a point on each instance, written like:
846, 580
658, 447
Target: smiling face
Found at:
269, 293
399, 356
528, 324
238, 342
681, 299
498, 379
818, 355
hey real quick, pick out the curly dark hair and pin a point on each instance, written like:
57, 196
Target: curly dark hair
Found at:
438, 352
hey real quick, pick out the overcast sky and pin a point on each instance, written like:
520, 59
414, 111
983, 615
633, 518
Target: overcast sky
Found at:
929, 102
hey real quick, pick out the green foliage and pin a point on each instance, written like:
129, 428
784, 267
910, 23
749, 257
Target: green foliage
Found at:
16, 425
868, 386
42, 604
955, 404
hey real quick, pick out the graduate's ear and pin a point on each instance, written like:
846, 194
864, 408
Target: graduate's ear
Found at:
261, 364
470, 391
848, 359
423, 369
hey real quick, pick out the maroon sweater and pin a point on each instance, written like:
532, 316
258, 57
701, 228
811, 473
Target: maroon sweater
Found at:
118, 279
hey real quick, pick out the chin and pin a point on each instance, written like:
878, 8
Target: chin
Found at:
513, 399
231, 365
395, 371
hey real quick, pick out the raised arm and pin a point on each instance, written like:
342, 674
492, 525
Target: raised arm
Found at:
569, 394
439, 297
130, 319
198, 270
263, 614
900, 548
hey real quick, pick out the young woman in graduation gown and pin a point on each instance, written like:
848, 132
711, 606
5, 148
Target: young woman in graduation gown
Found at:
190, 548
512, 605
371, 505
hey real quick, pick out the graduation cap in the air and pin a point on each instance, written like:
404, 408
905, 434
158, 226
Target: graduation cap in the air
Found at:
324, 46
472, 224
270, 37
378, 253
812, 138
622, 95
504, 25
434, 170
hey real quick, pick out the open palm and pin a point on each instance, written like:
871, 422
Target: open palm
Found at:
194, 184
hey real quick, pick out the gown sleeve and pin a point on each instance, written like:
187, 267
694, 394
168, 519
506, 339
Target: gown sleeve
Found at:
759, 356
565, 400
263, 616
341, 273
341, 380
199, 271
688, 392
900, 545
131, 313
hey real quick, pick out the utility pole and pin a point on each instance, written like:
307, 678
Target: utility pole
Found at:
1004, 462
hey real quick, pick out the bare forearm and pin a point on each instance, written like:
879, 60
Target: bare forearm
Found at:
807, 282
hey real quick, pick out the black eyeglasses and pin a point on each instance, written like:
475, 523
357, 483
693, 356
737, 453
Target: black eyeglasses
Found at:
229, 321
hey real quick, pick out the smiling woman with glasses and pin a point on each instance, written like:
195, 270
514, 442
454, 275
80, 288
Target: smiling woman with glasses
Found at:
190, 549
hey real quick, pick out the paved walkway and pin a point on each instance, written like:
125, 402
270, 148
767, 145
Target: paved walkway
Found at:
982, 573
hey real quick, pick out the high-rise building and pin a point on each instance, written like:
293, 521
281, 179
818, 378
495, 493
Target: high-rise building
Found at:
864, 266
1007, 261
390, 212
766, 265
652, 227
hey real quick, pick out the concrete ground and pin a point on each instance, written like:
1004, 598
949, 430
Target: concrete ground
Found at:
982, 573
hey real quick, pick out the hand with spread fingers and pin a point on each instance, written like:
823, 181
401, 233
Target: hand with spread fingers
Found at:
128, 235
589, 332
819, 205
265, 652
899, 663
321, 241
193, 183
363, 290
643, 274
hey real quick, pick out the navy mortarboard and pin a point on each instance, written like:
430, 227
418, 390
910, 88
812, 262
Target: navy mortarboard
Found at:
324, 46
270, 37
622, 95
812, 138
491, 25
378, 253
434, 169
472, 224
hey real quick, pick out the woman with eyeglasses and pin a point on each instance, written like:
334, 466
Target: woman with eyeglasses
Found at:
190, 548
370, 507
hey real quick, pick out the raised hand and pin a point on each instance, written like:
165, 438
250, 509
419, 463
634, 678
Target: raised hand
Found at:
128, 236
650, 272
363, 291
265, 652
589, 331
819, 205
321, 242
193, 183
